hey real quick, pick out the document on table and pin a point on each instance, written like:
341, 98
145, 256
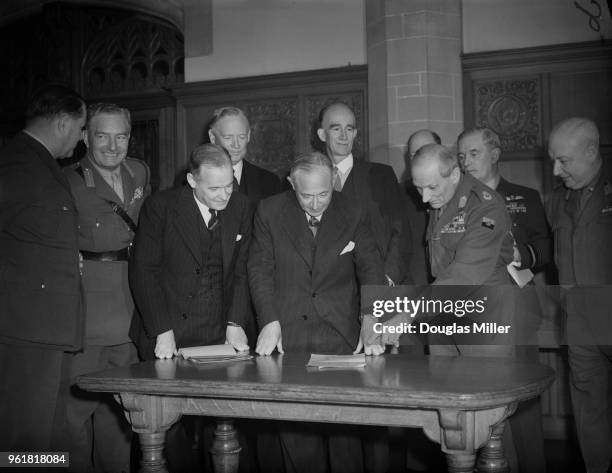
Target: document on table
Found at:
213, 354
337, 361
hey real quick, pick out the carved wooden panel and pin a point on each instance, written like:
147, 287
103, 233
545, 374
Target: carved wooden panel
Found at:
273, 132
144, 144
282, 110
316, 103
131, 56
511, 108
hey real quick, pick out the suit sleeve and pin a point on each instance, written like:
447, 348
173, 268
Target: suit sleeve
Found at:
399, 250
261, 269
367, 257
479, 249
239, 308
146, 266
536, 252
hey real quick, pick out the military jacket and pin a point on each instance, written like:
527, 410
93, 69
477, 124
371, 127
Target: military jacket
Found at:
529, 225
109, 303
470, 242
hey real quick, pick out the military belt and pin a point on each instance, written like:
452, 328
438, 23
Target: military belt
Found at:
119, 255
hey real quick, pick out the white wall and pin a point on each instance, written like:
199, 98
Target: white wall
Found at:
255, 37
506, 24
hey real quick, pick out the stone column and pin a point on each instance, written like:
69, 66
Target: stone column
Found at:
414, 74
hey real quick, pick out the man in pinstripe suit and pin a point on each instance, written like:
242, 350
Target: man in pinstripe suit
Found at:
311, 249
188, 272
189, 267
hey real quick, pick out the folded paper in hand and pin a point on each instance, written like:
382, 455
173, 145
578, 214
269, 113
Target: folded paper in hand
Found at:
520, 276
213, 354
337, 361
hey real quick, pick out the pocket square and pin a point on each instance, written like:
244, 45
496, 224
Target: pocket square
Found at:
238, 237
348, 248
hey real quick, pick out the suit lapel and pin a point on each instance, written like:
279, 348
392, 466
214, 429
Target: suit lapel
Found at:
230, 224
350, 185
244, 179
186, 222
293, 221
332, 226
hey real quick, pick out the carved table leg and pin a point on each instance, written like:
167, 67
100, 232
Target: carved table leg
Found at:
491, 458
152, 446
460, 462
225, 449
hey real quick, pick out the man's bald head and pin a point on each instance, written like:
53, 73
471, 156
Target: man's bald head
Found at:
573, 146
337, 130
421, 138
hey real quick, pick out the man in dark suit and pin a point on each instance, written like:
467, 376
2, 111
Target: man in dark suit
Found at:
372, 186
41, 317
479, 151
109, 189
188, 272
311, 250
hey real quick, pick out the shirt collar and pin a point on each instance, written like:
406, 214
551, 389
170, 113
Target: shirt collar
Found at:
345, 166
106, 173
204, 209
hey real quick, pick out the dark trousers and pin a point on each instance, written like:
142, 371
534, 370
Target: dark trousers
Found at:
100, 436
590, 379
32, 398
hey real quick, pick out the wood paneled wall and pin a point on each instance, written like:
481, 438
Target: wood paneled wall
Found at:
281, 108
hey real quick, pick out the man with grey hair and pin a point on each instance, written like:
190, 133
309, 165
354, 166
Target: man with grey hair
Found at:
311, 250
581, 218
109, 189
479, 151
230, 128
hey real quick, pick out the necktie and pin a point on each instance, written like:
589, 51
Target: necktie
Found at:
236, 185
337, 182
214, 219
314, 225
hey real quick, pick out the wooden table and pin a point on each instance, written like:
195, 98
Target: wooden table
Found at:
459, 402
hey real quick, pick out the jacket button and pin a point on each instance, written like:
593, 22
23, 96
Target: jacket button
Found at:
314, 294
198, 271
305, 317
184, 316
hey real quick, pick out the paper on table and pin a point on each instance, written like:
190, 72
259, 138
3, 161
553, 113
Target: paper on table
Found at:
520, 276
337, 361
208, 350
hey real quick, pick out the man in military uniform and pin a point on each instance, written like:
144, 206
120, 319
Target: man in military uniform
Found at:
109, 189
468, 240
581, 218
479, 152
